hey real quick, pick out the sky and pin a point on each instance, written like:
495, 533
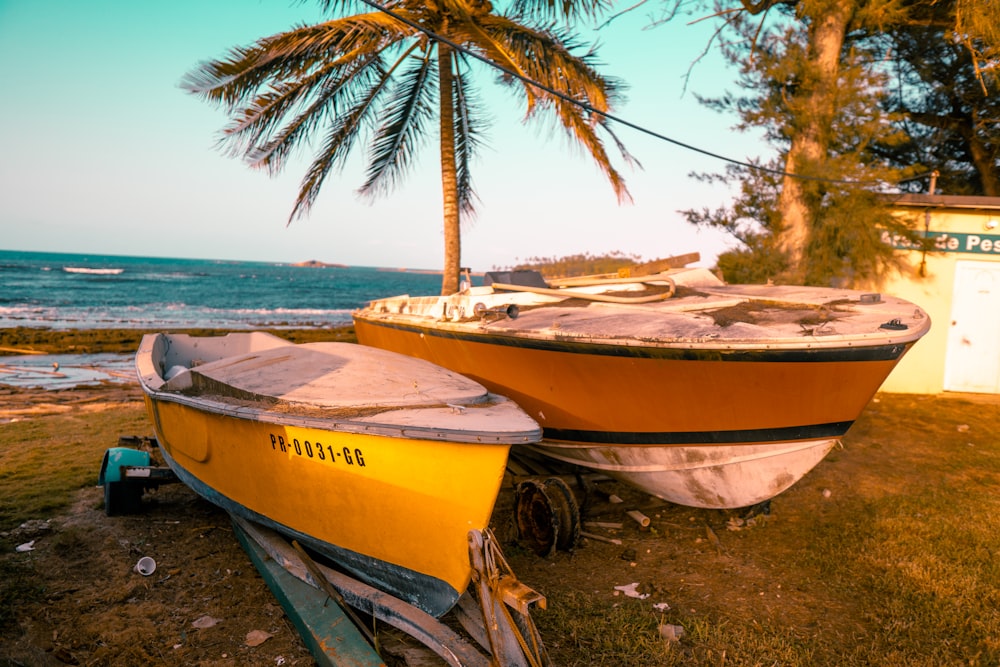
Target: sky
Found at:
105, 154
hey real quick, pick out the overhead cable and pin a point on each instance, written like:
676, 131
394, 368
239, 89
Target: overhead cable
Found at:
621, 121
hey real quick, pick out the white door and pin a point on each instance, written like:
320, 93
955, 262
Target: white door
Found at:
972, 362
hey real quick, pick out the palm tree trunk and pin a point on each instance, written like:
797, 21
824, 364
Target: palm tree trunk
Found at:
808, 147
449, 176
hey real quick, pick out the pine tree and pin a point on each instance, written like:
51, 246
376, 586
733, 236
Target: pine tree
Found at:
811, 73
951, 113
812, 215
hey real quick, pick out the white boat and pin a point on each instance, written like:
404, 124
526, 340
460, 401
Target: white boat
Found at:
701, 393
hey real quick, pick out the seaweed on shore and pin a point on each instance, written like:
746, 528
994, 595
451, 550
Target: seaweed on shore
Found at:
40, 340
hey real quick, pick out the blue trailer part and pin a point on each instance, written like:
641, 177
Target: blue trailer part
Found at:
126, 473
118, 458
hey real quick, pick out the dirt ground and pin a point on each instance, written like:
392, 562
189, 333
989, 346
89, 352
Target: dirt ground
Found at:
206, 605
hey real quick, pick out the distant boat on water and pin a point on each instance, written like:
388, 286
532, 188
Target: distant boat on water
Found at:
62, 290
95, 272
316, 264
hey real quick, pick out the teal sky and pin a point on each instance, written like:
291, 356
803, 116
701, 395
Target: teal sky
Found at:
104, 154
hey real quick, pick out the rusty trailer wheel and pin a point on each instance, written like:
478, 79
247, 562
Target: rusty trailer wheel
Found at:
547, 515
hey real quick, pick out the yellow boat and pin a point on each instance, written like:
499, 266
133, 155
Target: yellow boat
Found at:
379, 462
701, 393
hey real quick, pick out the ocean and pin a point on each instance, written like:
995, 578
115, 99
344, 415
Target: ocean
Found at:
66, 291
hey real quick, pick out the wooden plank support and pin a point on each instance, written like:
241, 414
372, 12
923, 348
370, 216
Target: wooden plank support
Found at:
432, 633
575, 294
659, 265
331, 637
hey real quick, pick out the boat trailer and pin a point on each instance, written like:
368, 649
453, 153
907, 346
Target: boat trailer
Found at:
494, 611
126, 473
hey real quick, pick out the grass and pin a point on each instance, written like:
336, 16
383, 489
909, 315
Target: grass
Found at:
44, 461
897, 567
915, 579
929, 564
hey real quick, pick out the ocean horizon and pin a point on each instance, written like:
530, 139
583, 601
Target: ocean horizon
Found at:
91, 291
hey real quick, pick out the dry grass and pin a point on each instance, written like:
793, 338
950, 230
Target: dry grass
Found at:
886, 554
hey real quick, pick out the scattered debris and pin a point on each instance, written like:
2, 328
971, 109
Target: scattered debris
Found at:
146, 566
671, 633
713, 538
599, 538
28, 530
661, 607
205, 622
27, 546
257, 637
632, 591
638, 517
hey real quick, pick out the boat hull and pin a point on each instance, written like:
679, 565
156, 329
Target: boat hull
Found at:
716, 476
394, 512
704, 430
657, 395
394, 509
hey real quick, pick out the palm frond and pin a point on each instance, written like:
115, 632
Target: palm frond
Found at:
334, 85
336, 147
546, 54
567, 10
258, 123
284, 87
408, 107
467, 140
345, 6
469, 31
236, 80
335, 102
581, 128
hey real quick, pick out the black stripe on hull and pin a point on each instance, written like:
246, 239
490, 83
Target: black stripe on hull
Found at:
885, 352
737, 437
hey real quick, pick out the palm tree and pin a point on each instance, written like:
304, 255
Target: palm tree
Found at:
372, 78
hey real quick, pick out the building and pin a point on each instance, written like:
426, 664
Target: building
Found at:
958, 284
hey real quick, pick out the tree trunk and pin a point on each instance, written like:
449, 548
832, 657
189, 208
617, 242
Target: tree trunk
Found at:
809, 146
983, 159
449, 176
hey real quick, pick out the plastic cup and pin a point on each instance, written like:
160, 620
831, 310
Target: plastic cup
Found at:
146, 566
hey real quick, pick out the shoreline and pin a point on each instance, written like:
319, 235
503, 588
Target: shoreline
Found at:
35, 362
18, 341
31, 388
